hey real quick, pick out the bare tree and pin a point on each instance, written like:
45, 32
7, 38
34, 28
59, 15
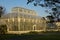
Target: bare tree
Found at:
2, 11
53, 5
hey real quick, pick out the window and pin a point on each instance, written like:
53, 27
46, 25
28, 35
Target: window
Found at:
25, 11
28, 11
20, 10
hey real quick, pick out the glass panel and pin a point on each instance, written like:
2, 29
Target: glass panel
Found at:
13, 26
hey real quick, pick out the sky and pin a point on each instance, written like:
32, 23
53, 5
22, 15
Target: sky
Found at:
9, 4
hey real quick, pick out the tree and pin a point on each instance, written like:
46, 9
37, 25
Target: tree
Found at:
53, 5
2, 11
3, 28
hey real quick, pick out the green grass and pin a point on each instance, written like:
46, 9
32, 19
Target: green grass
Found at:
32, 36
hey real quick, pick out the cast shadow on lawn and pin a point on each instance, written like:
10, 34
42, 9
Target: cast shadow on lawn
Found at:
32, 36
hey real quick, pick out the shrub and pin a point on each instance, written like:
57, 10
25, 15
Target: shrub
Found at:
3, 29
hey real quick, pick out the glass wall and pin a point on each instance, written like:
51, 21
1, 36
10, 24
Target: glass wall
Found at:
13, 25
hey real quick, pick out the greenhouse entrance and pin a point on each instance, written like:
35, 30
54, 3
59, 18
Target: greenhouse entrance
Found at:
34, 27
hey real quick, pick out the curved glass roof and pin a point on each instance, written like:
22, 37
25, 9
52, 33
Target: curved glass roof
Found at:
21, 15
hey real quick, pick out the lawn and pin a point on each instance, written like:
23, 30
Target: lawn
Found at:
32, 36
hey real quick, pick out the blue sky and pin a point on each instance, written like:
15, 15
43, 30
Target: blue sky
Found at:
8, 4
